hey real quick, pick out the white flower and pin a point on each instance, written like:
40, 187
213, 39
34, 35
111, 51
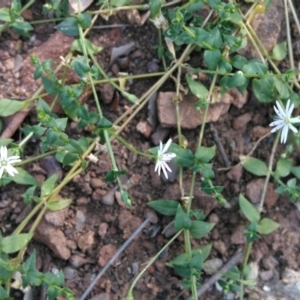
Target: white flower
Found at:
283, 120
7, 162
163, 158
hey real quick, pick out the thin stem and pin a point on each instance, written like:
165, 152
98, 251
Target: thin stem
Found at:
150, 262
37, 157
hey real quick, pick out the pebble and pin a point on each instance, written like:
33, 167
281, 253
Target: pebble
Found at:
109, 198
102, 229
86, 241
82, 201
69, 273
238, 237
212, 265
149, 212
266, 275
159, 135
102, 296
80, 220
144, 128
97, 183
106, 252
9, 64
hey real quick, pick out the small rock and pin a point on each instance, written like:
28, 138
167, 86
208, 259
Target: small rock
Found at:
109, 198
220, 246
159, 135
152, 67
69, 273
56, 218
189, 116
235, 173
9, 64
128, 223
80, 220
174, 167
241, 121
106, 92
266, 275
53, 238
106, 252
254, 190
155, 178
82, 201
97, 183
237, 98
259, 131
269, 263
254, 270
119, 199
86, 241
102, 229
212, 265
290, 276
213, 218
268, 27
238, 237
149, 212
78, 261
144, 128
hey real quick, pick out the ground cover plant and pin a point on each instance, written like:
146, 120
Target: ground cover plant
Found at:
76, 138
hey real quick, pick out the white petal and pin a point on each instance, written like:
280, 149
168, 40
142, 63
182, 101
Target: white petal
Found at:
277, 122
295, 120
284, 134
289, 109
168, 156
293, 128
1, 172
156, 166
3, 152
164, 170
11, 170
278, 127
13, 159
280, 112
167, 145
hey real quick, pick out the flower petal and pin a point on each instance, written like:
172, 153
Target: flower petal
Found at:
284, 134
167, 145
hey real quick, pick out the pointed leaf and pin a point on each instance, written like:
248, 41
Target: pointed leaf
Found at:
14, 243
58, 204
255, 166
250, 212
164, 207
8, 107
266, 226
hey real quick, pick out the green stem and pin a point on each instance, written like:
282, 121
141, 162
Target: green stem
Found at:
151, 261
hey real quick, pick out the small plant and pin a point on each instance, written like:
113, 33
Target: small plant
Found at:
217, 38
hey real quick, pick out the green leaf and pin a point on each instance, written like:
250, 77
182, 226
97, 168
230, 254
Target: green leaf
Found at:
154, 6
214, 40
255, 67
80, 66
182, 220
264, 89
90, 47
211, 58
119, 3
112, 175
224, 66
8, 107
279, 52
68, 27
23, 177
184, 157
228, 82
255, 166
205, 154
3, 294
199, 229
84, 20
283, 167
266, 226
197, 88
48, 186
14, 243
282, 88
69, 158
296, 171
239, 61
56, 205
164, 207
250, 212
104, 124
5, 15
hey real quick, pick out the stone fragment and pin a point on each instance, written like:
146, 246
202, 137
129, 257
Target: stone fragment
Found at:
128, 223
220, 246
189, 117
103, 227
97, 183
53, 238
86, 241
238, 237
80, 220
155, 178
235, 173
212, 265
268, 27
241, 121
144, 128
159, 135
254, 190
259, 131
106, 252
106, 92
56, 218
9, 64
266, 275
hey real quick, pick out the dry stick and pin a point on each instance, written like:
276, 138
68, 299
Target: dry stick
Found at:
123, 247
235, 259
220, 146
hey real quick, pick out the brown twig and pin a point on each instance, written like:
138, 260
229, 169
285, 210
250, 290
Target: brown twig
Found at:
220, 146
